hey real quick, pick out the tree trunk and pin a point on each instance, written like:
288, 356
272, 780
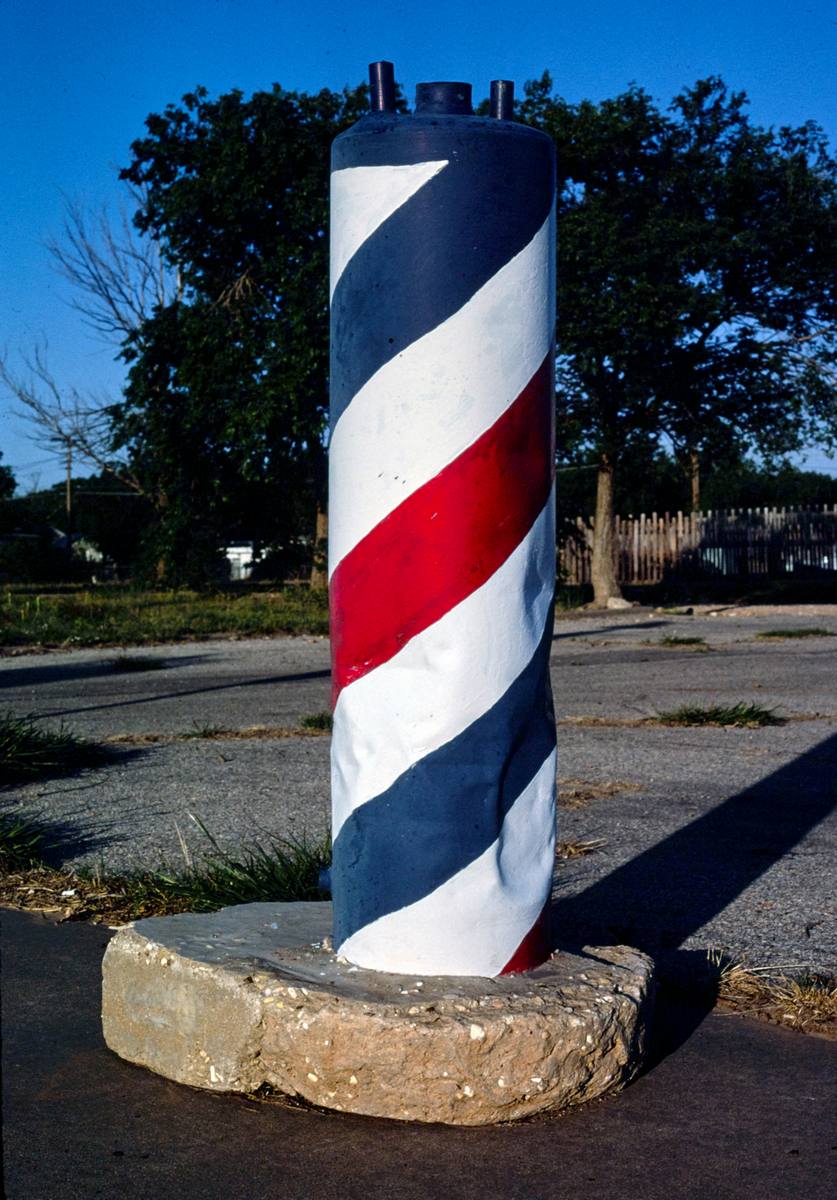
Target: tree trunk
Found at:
319, 574
694, 479
603, 566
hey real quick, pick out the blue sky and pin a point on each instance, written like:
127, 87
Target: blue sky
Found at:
80, 76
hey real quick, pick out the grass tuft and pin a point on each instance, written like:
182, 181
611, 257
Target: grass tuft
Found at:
578, 793
806, 632
742, 715
579, 848
322, 721
23, 842
28, 751
673, 640
201, 731
807, 1002
129, 664
279, 869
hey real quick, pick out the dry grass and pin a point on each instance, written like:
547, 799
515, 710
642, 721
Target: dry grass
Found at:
807, 1002
579, 848
217, 733
278, 870
578, 793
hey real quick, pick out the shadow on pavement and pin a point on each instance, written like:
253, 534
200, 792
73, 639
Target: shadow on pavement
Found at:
661, 897
134, 701
667, 893
101, 669
62, 839
608, 629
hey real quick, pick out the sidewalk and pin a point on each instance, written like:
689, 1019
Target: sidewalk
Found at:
732, 1109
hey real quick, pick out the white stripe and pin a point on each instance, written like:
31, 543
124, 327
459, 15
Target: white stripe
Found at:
445, 677
429, 403
362, 198
474, 922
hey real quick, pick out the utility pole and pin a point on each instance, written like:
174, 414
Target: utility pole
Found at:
68, 501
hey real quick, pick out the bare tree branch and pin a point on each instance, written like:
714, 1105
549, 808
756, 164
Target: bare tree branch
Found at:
62, 418
118, 275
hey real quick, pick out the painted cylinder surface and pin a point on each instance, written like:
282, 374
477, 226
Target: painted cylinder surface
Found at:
442, 543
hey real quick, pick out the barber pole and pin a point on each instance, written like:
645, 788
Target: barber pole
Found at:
441, 539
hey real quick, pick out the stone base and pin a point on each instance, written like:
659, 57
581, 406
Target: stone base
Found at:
254, 995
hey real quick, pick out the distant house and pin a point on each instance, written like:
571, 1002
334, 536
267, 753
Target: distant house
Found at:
241, 556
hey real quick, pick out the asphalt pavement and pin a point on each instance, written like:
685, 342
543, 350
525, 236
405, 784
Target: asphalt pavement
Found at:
728, 1109
706, 837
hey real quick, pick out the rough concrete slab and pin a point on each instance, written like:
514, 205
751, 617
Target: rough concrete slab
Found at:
253, 995
726, 1108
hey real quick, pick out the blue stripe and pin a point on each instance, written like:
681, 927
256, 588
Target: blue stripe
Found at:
447, 809
435, 251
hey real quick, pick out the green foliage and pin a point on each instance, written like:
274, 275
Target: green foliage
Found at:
112, 616
106, 513
33, 558
697, 277
741, 715
282, 869
225, 409
7, 481
322, 721
23, 842
28, 751
655, 482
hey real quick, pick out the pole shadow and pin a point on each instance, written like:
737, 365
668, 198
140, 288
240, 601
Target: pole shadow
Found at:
671, 890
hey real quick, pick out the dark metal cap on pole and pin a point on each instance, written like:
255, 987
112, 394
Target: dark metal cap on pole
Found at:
502, 99
445, 99
382, 87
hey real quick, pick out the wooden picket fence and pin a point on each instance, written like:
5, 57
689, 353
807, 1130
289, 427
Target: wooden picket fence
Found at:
734, 542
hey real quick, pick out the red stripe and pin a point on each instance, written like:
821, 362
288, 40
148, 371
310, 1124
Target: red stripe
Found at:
535, 948
446, 539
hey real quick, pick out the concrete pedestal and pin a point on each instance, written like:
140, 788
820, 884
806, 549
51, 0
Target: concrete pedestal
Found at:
254, 994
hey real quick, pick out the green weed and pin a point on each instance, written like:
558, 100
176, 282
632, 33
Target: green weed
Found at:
741, 715
23, 842
28, 751
118, 617
202, 731
322, 721
673, 640
278, 869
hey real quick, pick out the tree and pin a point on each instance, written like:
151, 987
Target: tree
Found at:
109, 515
225, 410
697, 283
118, 278
8, 482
